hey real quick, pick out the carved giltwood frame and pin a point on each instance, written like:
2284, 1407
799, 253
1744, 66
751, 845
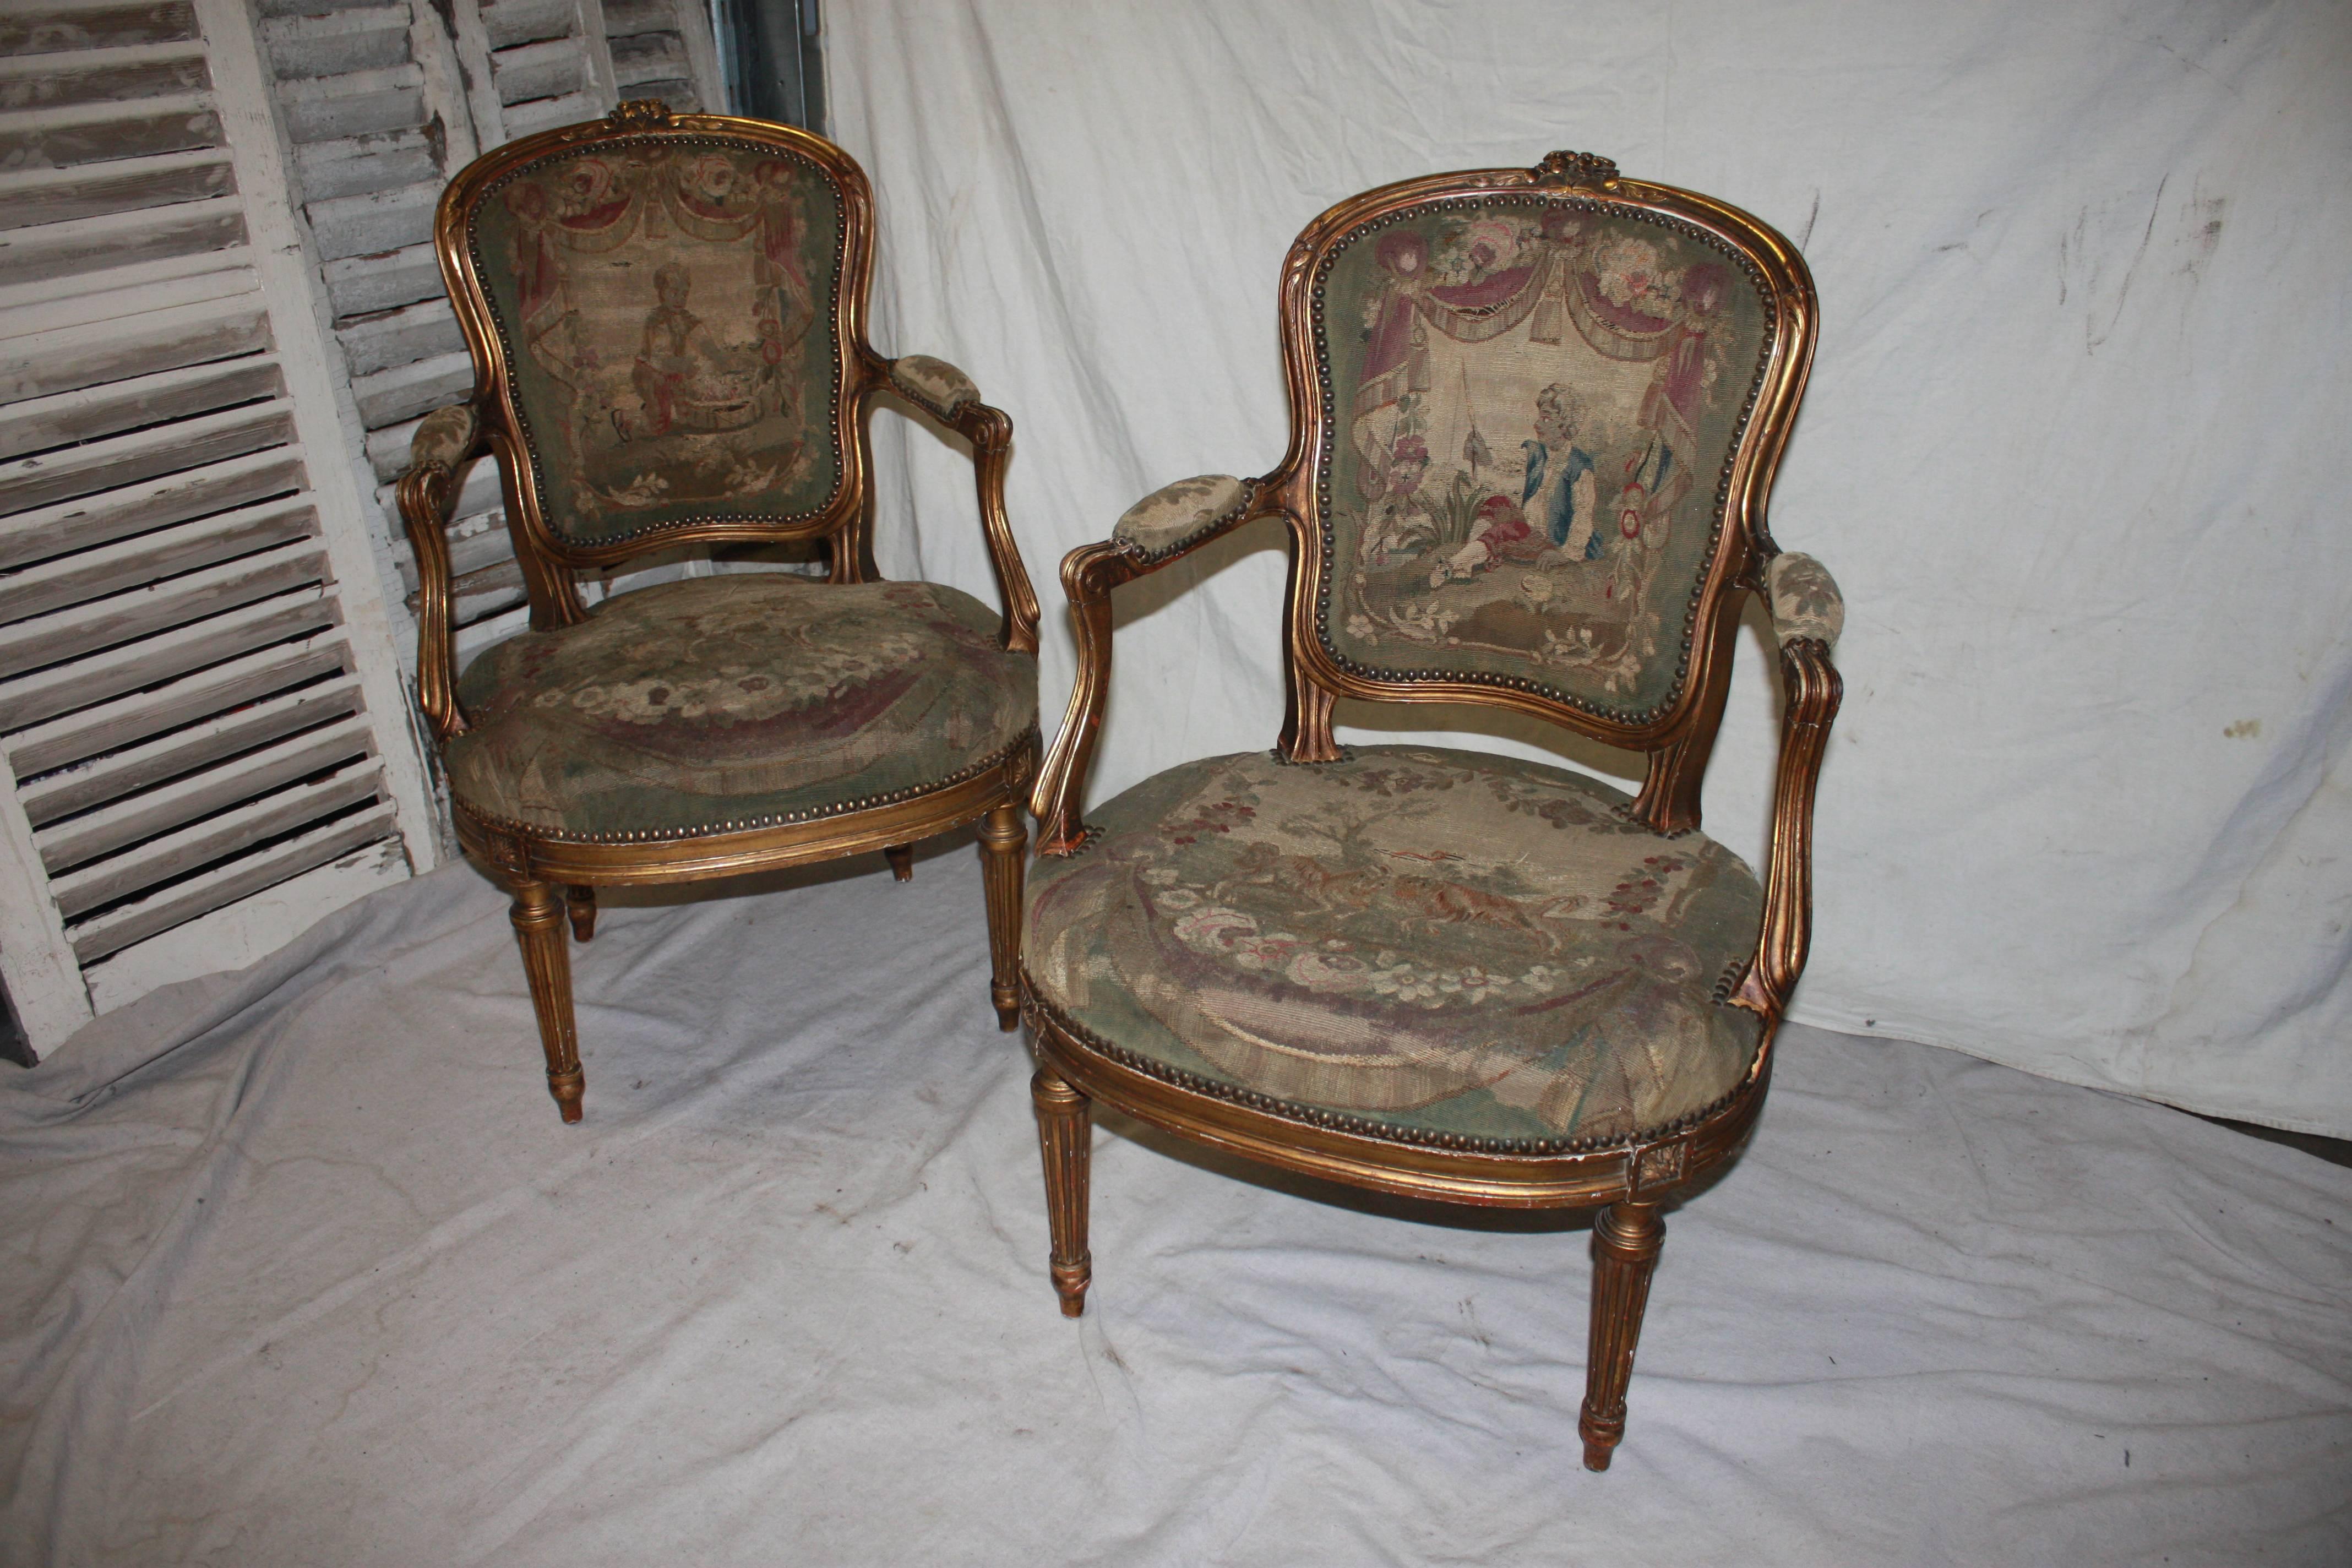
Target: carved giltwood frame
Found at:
1632, 1175
537, 862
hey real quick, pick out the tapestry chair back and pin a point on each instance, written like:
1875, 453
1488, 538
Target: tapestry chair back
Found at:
1539, 422
671, 315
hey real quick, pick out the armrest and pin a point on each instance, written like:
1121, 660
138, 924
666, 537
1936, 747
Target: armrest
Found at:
1158, 530
1814, 690
937, 386
949, 396
1804, 601
445, 444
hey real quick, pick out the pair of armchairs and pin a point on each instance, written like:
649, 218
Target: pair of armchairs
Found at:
1535, 417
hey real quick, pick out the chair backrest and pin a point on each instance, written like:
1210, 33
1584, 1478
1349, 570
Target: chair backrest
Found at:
1535, 418
667, 318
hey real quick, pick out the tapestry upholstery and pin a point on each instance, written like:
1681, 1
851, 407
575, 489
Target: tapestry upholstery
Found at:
667, 308
933, 382
1533, 400
736, 701
1804, 599
445, 437
1174, 513
1439, 942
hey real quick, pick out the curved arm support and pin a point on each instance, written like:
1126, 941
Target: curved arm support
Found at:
1089, 573
949, 396
445, 445
1814, 690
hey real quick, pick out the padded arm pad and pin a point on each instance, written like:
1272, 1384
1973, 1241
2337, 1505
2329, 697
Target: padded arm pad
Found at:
1173, 514
1803, 599
445, 438
933, 383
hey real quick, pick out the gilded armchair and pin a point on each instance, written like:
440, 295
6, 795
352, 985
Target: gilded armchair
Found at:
1535, 418
667, 318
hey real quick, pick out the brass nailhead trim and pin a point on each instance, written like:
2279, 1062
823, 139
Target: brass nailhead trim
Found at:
1129, 547
1033, 1000
506, 343
1723, 485
1026, 739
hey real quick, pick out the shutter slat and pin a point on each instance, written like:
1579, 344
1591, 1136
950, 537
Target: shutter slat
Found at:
124, 459
91, 412
353, 165
157, 504
153, 559
115, 239
100, 132
103, 76
115, 308
364, 38
401, 337
41, 197
64, 688
43, 30
68, 633
224, 885
406, 391
322, 108
194, 848
359, 284
133, 768
130, 720
169, 807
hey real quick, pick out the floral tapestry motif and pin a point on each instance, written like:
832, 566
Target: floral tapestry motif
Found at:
1441, 940
1533, 404
667, 308
690, 704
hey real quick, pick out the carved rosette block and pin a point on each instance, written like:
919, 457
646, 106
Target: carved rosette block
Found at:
1003, 843
641, 114
1625, 1241
1584, 170
539, 918
1066, 1139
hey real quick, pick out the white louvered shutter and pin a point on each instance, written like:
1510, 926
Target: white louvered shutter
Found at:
207, 744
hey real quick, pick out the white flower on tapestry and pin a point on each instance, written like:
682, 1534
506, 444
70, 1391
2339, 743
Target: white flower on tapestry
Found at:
1161, 875
1406, 984
1628, 270
1178, 899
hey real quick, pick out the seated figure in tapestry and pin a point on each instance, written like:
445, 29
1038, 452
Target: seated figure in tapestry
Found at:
660, 304
1523, 410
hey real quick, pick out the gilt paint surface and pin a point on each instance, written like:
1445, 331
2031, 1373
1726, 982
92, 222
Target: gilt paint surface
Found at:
1533, 406
689, 705
1441, 940
668, 313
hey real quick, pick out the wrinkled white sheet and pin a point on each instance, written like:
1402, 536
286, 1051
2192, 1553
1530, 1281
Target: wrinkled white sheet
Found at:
2074, 447
299, 1268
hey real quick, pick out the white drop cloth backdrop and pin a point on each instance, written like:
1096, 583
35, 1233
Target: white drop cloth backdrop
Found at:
300, 1268
2074, 447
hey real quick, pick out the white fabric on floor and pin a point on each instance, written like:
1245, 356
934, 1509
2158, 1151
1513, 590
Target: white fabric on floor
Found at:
302, 1269
2073, 447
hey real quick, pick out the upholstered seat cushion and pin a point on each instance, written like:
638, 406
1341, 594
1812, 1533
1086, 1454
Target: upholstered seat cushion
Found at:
1438, 943
737, 701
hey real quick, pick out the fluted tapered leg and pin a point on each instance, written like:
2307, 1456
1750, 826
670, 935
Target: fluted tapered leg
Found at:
902, 861
1003, 841
537, 916
1066, 1136
1625, 1242
580, 901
